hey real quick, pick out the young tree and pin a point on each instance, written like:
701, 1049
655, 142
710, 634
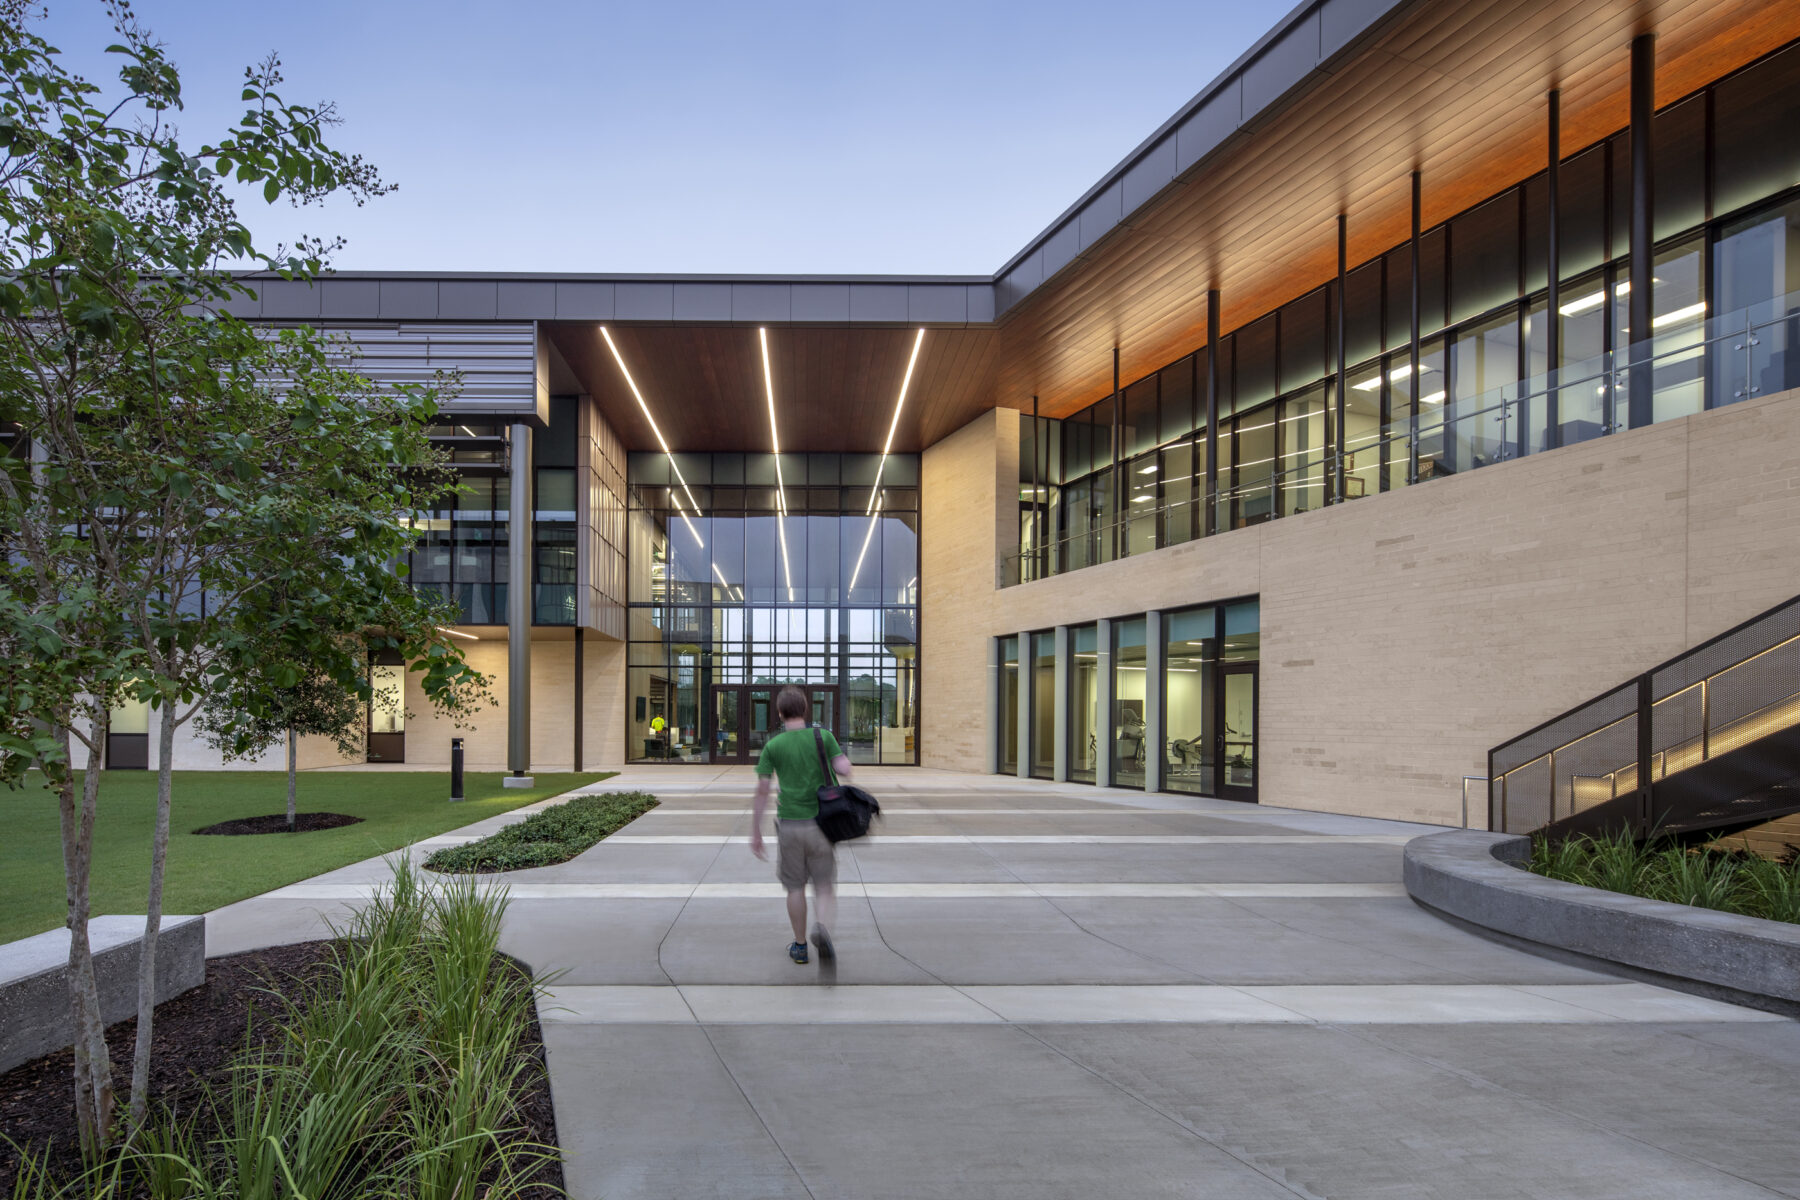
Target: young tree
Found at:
282, 701
182, 462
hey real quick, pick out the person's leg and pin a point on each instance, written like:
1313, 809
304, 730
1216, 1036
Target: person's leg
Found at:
796, 905
822, 865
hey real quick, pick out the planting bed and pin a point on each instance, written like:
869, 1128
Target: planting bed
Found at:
197, 1035
278, 823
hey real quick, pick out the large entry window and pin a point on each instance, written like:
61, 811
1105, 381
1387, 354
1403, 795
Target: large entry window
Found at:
743, 718
1189, 652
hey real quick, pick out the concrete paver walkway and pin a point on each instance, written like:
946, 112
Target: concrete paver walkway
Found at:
1054, 991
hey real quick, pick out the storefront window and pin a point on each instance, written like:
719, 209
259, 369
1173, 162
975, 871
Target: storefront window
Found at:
1130, 703
1008, 707
1084, 701
1043, 705
1190, 652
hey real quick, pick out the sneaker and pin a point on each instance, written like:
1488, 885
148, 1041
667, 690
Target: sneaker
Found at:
797, 952
822, 940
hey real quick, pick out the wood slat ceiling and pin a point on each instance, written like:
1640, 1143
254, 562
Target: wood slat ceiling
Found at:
834, 387
1457, 90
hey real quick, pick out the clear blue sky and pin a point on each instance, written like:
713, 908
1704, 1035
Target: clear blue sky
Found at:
927, 137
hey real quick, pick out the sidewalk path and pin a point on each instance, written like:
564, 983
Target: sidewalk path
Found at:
1055, 991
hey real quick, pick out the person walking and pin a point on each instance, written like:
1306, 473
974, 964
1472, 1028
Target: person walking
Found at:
803, 852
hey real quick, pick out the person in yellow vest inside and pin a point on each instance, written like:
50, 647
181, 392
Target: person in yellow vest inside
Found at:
659, 731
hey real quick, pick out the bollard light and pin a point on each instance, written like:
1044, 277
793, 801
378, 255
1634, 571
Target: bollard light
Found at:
456, 768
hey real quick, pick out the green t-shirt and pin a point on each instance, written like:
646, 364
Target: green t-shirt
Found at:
792, 756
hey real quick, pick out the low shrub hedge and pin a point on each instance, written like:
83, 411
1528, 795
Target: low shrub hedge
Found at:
1703, 876
546, 838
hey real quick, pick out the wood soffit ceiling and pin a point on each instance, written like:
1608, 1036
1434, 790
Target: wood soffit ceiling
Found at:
835, 387
1457, 91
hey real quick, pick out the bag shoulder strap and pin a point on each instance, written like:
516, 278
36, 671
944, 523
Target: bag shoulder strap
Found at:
824, 763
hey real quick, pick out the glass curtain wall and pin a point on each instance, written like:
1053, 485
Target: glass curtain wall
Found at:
1008, 707
1043, 705
1084, 702
739, 585
1131, 701
1190, 653
1725, 327
1206, 694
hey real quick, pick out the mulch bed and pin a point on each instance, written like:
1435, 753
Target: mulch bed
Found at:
278, 823
196, 1036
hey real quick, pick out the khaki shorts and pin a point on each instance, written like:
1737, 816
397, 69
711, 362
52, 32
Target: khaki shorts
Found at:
804, 853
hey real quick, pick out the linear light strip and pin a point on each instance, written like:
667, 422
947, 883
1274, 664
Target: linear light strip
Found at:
881, 466
661, 441
905, 382
787, 570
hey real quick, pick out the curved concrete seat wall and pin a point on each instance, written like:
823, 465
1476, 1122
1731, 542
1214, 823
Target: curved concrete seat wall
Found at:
1471, 876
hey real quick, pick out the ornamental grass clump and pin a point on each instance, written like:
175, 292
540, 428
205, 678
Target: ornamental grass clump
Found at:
545, 838
1664, 869
398, 1073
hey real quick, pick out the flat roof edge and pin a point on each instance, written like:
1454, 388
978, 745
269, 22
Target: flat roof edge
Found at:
1311, 38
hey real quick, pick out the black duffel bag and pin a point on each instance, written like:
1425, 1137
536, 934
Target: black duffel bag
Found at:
845, 811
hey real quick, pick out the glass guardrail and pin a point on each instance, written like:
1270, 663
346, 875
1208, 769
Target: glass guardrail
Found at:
1695, 363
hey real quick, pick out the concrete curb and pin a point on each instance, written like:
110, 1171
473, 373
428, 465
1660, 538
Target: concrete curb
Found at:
34, 987
1470, 876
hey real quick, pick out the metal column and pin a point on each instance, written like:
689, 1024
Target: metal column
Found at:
1643, 213
1336, 487
1553, 300
1412, 376
1103, 704
1059, 735
579, 717
1210, 498
518, 610
1155, 752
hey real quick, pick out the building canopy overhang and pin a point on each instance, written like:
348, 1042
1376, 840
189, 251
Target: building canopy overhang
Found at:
1241, 191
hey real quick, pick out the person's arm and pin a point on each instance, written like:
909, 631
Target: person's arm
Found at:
841, 764
759, 806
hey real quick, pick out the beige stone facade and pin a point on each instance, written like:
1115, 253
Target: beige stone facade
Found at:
1405, 634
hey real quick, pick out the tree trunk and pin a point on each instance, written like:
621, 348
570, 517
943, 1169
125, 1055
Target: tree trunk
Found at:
159, 856
293, 759
93, 1063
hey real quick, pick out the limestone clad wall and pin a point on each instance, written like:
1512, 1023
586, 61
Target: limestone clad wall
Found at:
1405, 634
969, 501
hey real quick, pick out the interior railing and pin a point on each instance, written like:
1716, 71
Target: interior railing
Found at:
1694, 364
1705, 737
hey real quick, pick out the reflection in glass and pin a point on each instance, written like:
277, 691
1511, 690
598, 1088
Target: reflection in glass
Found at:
1130, 703
1008, 707
1043, 705
1189, 652
1084, 701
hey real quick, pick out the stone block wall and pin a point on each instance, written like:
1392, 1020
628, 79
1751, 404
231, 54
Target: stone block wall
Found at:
1405, 634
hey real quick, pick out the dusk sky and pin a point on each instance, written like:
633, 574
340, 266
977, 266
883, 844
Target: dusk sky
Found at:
807, 137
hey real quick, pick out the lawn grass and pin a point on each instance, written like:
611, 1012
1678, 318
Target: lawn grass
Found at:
397, 807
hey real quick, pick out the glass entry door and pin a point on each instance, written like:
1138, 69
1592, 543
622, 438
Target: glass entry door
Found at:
1237, 733
744, 718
